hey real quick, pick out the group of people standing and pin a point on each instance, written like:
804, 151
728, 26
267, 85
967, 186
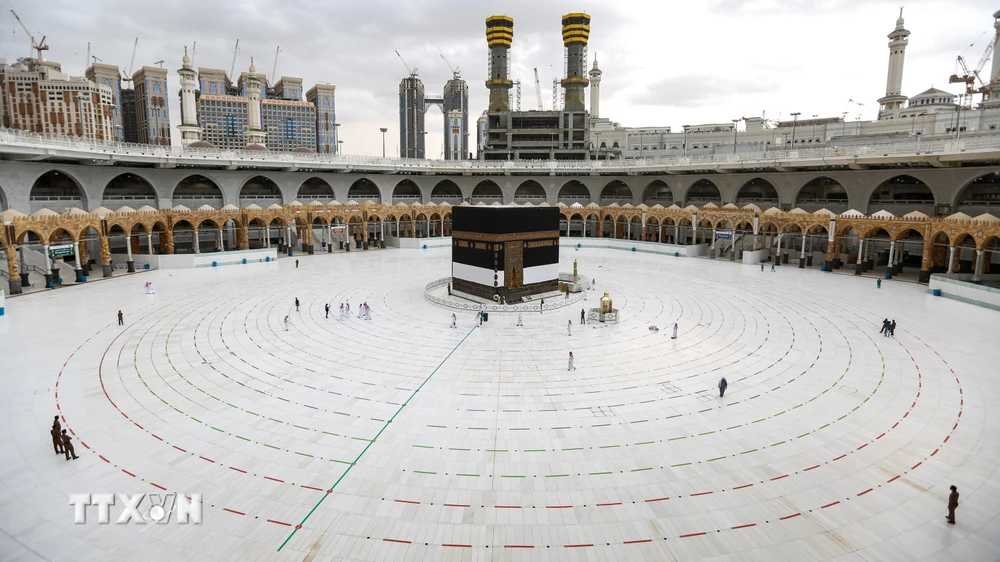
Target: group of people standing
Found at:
61, 441
888, 328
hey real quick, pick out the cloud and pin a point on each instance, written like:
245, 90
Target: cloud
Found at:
697, 90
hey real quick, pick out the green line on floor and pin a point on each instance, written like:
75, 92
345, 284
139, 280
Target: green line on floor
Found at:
735, 426
511, 476
254, 413
706, 433
365, 450
271, 446
424, 472
463, 474
556, 475
599, 473
216, 429
677, 438
534, 450
778, 443
348, 463
681, 464
642, 469
803, 435
574, 449
757, 421
716, 459
241, 437
300, 427
423, 446
608, 446
750, 451
822, 426
455, 448
304, 454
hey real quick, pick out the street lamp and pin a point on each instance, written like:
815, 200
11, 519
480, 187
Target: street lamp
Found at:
383, 129
340, 147
336, 134
735, 121
795, 119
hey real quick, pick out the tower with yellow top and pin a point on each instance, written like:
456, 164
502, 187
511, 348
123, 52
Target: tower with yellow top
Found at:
499, 36
576, 33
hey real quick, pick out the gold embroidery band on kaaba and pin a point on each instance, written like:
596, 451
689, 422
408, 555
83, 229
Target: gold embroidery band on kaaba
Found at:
506, 237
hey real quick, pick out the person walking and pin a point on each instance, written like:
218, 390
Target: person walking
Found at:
67, 443
673, 337
723, 385
586, 291
296, 264
296, 304
361, 310
567, 294
878, 283
593, 284
56, 433
892, 328
288, 322
326, 307
885, 326
772, 267
583, 317
121, 318
341, 311
569, 328
454, 321
520, 319
571, 366
762, 266
541, 305
952, 498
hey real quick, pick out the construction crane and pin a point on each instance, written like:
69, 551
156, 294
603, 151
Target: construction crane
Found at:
274, 69
236, 51
456, 74
88, 55
128, 75
194, 51
412, 71
538, 92
970, 77
38, 46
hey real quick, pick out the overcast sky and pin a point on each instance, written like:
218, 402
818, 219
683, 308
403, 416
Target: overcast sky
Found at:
664, 62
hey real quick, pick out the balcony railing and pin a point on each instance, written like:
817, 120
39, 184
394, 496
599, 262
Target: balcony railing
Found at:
21, 142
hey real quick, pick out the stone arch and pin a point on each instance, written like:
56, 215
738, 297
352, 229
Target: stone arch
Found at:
616, 191
197, 190
446, 191
703, 191
362, 190
981, 195
574, 191
531, 191
822, 192
260, 190
128, 189
406, 191
900, 195
758, 191
487, 191
57, 191
658, 193
315, 189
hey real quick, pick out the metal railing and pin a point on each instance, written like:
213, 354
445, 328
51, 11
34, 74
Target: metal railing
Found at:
33, 143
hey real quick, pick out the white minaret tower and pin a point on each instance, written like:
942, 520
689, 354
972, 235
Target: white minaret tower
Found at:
595, 90
255, 134
190, 131
894, 99
995, 71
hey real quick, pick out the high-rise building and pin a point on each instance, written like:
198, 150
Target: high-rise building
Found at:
322, 96
152, 113
254, 113
576, 34
110, 76
127, 111
411, 118
37, 96
455, 107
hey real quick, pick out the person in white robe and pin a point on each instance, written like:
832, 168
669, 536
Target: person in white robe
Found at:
520, 319
288, 322
454, 321
673, 337
569, 328
571, 366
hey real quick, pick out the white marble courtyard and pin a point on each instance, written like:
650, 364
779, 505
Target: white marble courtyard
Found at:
402, 439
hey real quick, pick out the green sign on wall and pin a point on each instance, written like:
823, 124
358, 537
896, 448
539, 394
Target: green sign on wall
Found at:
61, 251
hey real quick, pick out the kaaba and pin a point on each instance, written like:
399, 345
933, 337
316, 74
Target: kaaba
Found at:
505, 253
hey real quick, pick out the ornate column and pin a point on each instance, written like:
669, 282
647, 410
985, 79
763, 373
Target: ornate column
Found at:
77, 269
105, 256
309, 239
831, 249
194, 241
149, 243
128, 250
777, 259
14, 283
267, 236
288, 240
861, 256
243, 237
802, 254
926, 261
977, 272
951, 259
219, 244
892, 256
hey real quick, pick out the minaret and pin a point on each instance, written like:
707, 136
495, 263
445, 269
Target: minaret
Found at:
499, 36
995, 71
255, 134
894, 98
575, 33
595, 90
190, 131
